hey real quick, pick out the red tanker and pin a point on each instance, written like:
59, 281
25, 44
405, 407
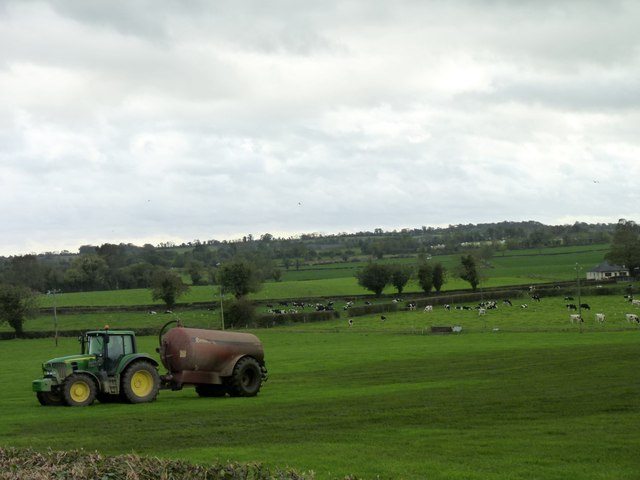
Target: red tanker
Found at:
216, 362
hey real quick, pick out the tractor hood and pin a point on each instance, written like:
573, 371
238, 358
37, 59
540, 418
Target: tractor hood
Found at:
79, 359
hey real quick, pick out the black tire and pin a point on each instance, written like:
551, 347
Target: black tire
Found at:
79, 390
140, 383
207, 390
49, 399
246, 378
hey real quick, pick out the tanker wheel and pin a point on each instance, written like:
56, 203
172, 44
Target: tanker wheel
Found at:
79, 390
246, 378
140, 383
48, 399
207, 390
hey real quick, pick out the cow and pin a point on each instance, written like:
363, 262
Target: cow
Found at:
535, 297
568, 298
383, 318
447, 307
632, 318
524, 305
428, 308
635, 303
571, 306
411, 306
575, 318
585, 306
351, 322
506, 301
600, 317
482, 311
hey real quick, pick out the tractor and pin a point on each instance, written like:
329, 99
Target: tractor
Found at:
110, 367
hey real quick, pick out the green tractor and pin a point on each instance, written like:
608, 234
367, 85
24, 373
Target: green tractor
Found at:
108, 368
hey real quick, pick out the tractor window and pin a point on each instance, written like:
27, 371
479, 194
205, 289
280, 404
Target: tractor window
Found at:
116, 347
128, 344
95, 345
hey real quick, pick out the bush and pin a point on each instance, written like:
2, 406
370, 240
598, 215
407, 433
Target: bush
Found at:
239, 313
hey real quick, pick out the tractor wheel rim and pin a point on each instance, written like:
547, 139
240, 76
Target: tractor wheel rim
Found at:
79, 392
141, 383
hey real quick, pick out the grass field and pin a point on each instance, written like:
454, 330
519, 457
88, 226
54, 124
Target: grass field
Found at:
546, 405
521, 267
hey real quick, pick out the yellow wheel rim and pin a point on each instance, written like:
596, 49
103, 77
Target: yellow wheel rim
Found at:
79, 391
141, 383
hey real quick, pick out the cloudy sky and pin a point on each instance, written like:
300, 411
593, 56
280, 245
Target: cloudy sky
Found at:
149, 121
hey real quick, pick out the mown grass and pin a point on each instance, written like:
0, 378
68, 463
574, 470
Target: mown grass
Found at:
552, 405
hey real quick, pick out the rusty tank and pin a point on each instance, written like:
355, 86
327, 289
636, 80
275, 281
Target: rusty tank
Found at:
216, 362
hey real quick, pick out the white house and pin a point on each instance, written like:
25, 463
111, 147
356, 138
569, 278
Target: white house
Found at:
607, 271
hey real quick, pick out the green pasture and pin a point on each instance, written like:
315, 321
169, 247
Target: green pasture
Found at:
521, 267
480, 405
550, 314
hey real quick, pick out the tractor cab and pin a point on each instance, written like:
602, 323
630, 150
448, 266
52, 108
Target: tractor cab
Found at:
108, 346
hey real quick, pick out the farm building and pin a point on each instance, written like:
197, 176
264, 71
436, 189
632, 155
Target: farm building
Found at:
607, 271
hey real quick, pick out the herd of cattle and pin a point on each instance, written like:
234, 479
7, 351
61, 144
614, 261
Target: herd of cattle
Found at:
577, 318
482, 308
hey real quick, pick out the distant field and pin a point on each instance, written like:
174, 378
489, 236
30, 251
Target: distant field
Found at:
516, 406
521, 267
548, 315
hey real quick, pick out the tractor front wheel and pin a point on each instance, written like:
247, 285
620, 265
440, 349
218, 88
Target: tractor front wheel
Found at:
79, 390
48, 399
140, 383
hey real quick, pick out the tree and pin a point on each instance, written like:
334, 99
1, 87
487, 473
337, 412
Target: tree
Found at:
168, 287
439, 274
87, 272
195, 269
425, 277
400, 276
625, 245
16, 305
374, 277
239, 277
468, 271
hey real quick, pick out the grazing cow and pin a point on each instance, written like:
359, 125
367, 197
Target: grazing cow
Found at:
585, 306
395, 300
411, 305
571, 306
535, 297
600, 317
367, 302
524, 305
446, 306
428, 308
482, 311
456, 329
632, 318
168, 311
152, 312
506, 301
351, 322
575, 318
383, 318
458, 307
635, 303
568, 298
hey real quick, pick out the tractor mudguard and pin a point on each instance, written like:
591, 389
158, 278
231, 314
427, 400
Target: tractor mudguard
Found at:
128, 359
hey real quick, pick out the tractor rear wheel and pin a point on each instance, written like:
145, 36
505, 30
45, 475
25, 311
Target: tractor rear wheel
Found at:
79, 390
246, 378
140, 383
47, 399
206, 390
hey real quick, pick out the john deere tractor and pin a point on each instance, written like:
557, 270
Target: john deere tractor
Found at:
109, 367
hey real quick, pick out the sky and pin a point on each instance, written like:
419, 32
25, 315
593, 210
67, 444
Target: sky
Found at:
150, 121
